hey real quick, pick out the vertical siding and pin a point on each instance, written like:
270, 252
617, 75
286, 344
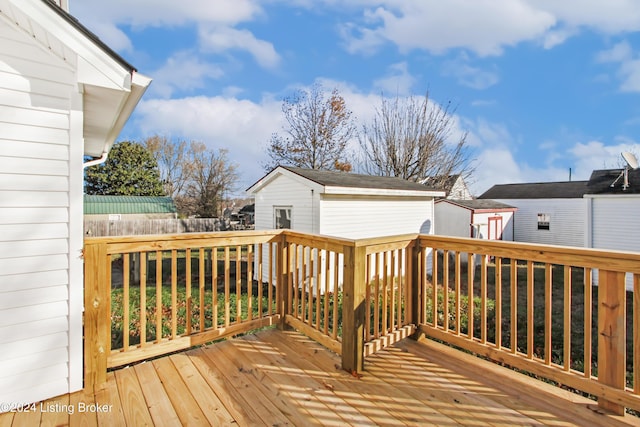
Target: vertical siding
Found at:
34, 220
567, 225
358, 217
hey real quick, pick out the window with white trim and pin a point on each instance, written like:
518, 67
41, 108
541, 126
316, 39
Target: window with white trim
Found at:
544, 221
281, 217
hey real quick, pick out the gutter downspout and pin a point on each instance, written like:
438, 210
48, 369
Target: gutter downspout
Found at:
96, 161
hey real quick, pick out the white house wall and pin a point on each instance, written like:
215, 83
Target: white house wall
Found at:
40, 338
615, 225
286, 191
567, 221
482, 219
357, 217
452, 220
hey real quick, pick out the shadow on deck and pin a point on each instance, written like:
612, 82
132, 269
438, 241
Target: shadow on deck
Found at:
284, 378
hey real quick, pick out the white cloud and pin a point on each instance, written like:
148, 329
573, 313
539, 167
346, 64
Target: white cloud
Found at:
628, 63
241, 126
104, 18
398, 81
183, 71
485, 27
221, 39
467, 75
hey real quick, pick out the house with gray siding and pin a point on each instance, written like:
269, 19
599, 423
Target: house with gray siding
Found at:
65, 95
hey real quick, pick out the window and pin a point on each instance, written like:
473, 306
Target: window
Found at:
543, 221
282, 217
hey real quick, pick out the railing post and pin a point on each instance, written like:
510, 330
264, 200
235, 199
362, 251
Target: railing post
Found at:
97, 322
282, 281
353, 308
611, 335
416, 274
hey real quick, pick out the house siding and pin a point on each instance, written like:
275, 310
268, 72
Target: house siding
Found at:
567, 225
483, 220
287, 191
36, 222
615, 223
358, 217
452, 220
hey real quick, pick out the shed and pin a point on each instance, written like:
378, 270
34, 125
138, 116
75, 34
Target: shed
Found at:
115, 208
484, 219
552, 213
342, 204
65, 95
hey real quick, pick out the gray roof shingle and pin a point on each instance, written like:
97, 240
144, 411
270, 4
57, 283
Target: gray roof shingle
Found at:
538, 190
346, 179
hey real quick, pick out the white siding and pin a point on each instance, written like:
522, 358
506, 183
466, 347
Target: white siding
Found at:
285, 191
483, 220
452, 220
358, 217
35, 208
567, 221
616, 223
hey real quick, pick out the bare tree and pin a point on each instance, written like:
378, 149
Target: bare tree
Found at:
173, 161
213, 176
412, 138
317, 132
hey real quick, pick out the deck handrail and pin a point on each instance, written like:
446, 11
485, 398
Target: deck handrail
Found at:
494, 298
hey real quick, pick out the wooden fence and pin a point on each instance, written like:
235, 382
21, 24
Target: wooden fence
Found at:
531, 307
136, 227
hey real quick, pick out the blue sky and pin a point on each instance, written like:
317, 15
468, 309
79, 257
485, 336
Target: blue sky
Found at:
540, 86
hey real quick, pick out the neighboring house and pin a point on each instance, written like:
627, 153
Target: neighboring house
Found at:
484, 219
65, 95
116, 208
454, 186
552, 213
342, 204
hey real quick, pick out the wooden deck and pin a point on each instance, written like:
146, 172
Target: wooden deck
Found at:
283, 378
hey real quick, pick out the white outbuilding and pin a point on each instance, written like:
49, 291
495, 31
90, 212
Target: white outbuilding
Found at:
65, 95
475, 218
342, 204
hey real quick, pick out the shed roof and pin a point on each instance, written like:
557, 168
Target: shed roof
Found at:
538, 190
101, 205
477, 204
335, 180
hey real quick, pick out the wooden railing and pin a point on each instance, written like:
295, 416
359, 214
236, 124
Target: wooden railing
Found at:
536, 308
531, 307
150, 295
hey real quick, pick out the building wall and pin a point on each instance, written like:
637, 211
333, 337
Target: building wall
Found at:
615, 223
40, 223
483, 220
286, 191
567, 225
451, 220
358, 217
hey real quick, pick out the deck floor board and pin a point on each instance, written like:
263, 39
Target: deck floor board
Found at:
284, 378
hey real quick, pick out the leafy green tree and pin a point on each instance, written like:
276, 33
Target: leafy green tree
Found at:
130, 170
